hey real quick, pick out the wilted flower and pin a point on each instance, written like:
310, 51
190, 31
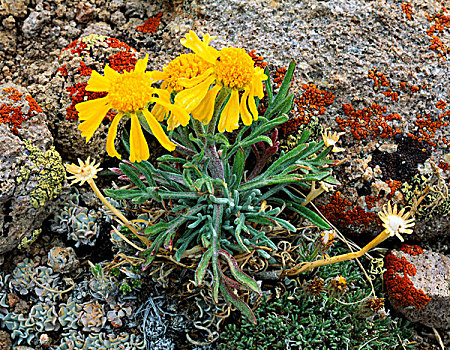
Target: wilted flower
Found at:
314, 287
396, 222
84, 172
330, 140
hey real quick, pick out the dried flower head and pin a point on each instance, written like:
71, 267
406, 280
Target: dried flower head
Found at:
84, 172
330, 140
339, 284
370, 307
314, 287
396, 222
326, 240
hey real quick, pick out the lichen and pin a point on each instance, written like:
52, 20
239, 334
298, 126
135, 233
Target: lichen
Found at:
47, 169
27, 242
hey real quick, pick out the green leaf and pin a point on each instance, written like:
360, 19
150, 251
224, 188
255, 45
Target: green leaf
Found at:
202, 267
238, 274
170, 158
238, 166
268, 84
284, 88
262, 138
309, 214
232, 299
122, 194
131, 173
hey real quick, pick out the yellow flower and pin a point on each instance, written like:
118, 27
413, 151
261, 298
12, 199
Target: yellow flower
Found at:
231, 69
84, 172
396, 222
129, 94
331, 139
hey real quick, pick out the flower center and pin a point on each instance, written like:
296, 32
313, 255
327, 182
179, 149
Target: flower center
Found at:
184, 66
395, 223
234, 68
130, 91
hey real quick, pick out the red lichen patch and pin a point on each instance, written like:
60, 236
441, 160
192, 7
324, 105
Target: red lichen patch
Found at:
411, 249
84, 70
313, 101
398, 285
12, 115
392, 94
414, 89
122, 61
77, 47
378, 78
116, 43
443, 165
441, 21
259, 60
354, 221
279, 76
151, 25
13, 94
407, 10
371, 121
394, 185
427, 128
63, 71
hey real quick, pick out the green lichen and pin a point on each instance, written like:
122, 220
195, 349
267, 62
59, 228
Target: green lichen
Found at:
92, 40
435, 203
27, 242
291, 141
47, 169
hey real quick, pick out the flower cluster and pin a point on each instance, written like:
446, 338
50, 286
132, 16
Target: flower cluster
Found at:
195, 79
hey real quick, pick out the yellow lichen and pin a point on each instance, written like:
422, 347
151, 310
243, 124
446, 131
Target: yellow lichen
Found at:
27, 242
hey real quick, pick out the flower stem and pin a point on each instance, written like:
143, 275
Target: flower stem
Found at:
111, 207
305, 266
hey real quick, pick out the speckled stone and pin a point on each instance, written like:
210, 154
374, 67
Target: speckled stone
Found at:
433, 278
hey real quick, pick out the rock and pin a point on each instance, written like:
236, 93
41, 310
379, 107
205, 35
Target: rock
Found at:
9, 22
62, 259
5, 341
85, 12
418, 285
35, 22
31, 171
16, 8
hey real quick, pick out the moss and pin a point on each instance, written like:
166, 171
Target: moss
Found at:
303, 321
47, 169
434, 204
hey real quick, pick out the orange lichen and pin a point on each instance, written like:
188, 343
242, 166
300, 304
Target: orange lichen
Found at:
427, 128
378, 78
399, 286
411, 249
63, 71
394, 185
441, 21
392, 94
354, 220
259, 60
414, 89
313, 101
406, 8
367, 122
279, 76
441, 104
84, 70
12, 114
444, 165
151, 25
122, 61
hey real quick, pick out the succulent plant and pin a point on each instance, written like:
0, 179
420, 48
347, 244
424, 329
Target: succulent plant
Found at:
68, 314
21, 327
45, 317
74, 340
80, 223
92, 317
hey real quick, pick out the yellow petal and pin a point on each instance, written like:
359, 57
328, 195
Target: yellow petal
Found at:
138, 145
202, 49
159, 112
110, 73
190, 98
112, 132
205, 109
158, 131
98, 82
229, 119
245, 114
178, 112
92, 113
157, 75
188, 83
141, 65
